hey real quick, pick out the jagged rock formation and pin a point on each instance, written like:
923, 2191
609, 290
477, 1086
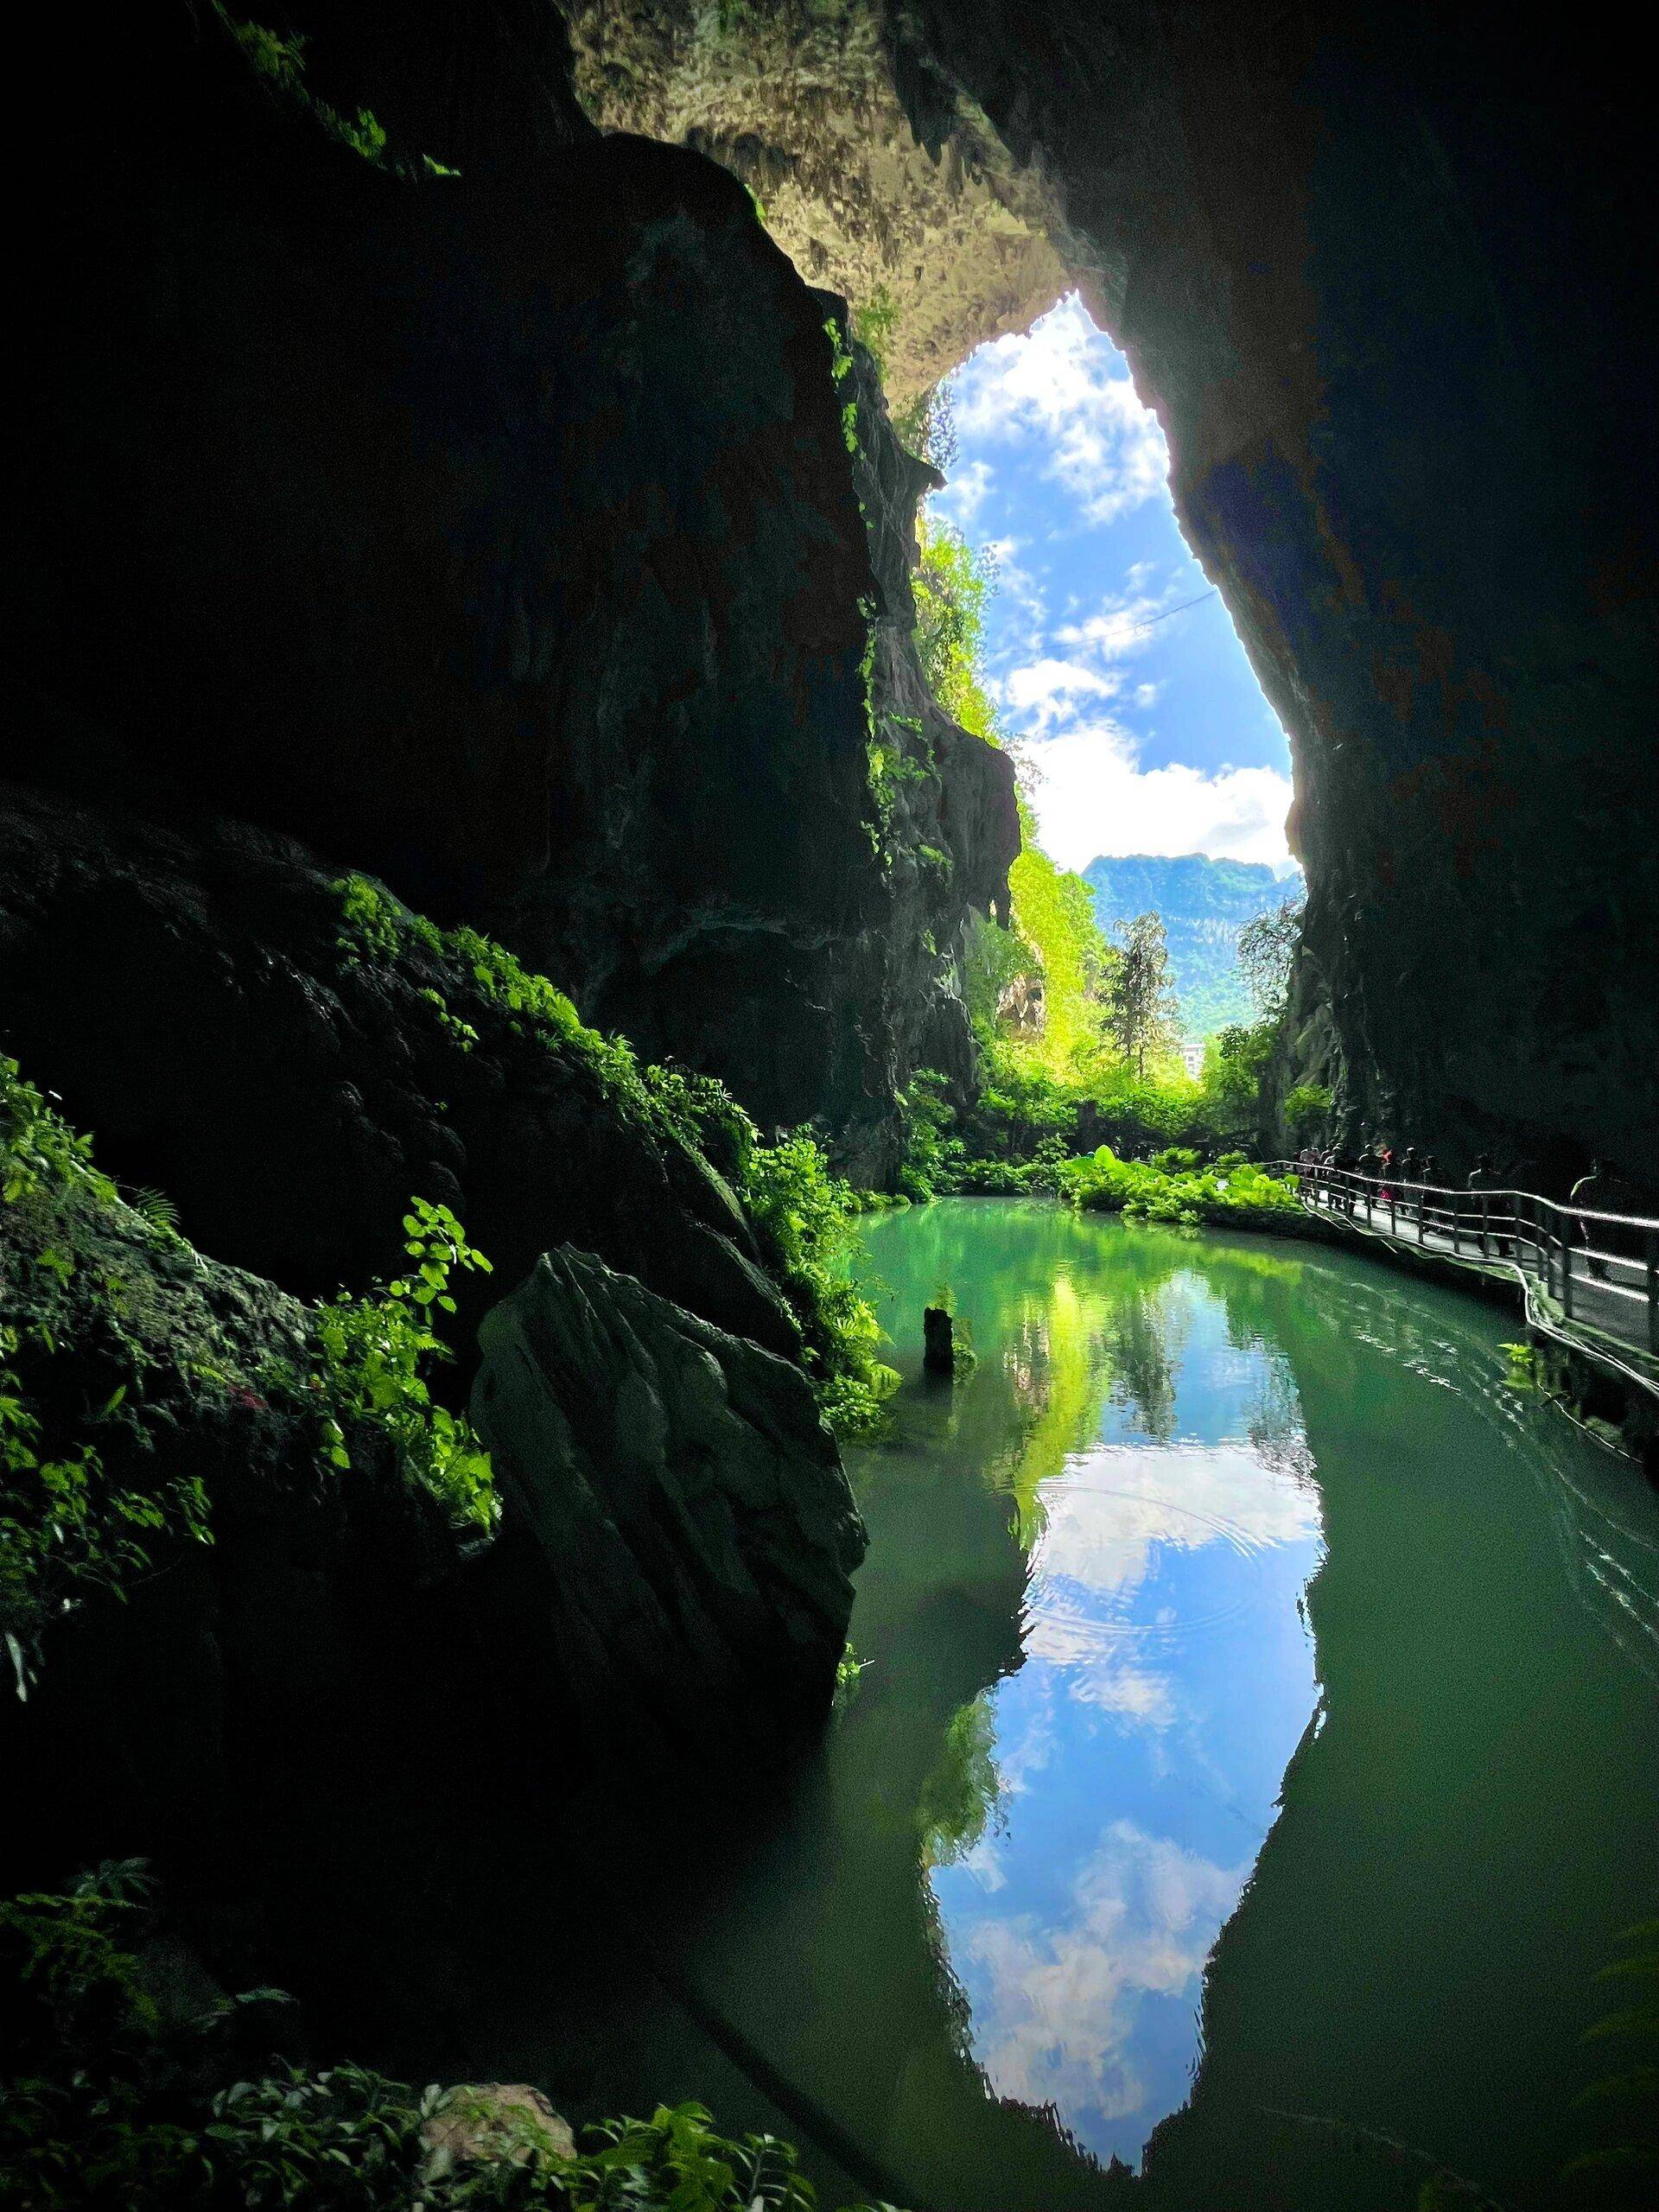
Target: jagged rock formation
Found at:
688, 1509
495, 532
804, 102
669, 1584
1372, 268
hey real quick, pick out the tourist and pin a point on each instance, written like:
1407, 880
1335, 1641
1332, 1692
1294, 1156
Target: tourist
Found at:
1410, 1178
1586, 1188
1428, 1175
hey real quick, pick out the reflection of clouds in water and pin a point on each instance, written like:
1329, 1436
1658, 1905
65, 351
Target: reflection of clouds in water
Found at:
1117, 1506
1058, 2007
1134, 1693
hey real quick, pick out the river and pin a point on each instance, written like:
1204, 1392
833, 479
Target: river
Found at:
1252, 1764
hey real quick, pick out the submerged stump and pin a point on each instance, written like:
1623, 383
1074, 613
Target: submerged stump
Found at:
939, 1341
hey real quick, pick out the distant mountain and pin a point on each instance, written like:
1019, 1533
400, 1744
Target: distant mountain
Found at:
1204, 904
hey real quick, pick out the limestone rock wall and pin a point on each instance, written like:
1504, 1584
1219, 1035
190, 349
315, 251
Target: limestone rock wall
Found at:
868, 190
198, 1000
494, 531
945, 826
1375, 268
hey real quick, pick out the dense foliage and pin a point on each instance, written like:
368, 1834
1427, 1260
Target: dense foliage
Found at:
79, 1266
113, 2106
1174, 1186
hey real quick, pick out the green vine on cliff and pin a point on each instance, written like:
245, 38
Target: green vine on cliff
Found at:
280, 64
798, 1210
67, 1527
370, 1354
841, 368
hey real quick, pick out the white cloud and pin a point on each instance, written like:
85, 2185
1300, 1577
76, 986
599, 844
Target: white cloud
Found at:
1055, 2023
1056, 387
966, 493
1119, 1504
1045, 691
1091, 796
1119, 629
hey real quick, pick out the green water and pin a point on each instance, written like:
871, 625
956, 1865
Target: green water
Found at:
1253, 1764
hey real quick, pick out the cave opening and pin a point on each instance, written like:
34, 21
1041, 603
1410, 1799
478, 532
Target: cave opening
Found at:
513, 905
1151, 761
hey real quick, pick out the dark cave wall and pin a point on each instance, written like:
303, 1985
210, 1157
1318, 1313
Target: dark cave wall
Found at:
493, 532
1382, 271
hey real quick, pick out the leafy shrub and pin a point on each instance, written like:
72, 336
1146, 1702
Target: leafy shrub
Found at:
1306, 1109
67, 1527
105, 2111
1185, 1196
803, 1215
370, 1352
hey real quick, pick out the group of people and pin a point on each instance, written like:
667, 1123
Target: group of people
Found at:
1400, 1175
1407, 1182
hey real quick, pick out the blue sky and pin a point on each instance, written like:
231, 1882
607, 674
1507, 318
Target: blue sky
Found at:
1148, 735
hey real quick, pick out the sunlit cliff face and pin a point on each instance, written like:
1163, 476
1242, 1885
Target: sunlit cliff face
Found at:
949, 242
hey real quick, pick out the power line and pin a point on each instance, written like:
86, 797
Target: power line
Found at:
1155, 618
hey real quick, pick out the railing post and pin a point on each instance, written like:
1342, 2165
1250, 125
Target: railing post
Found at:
1394, 1211
1486, 1218
1457, 1226
1652, 1243
1566, 1265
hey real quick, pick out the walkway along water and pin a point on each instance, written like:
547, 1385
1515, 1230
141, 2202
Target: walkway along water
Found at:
1588, 1281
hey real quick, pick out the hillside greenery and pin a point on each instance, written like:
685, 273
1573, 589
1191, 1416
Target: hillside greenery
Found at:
1074, 1003
1203, 904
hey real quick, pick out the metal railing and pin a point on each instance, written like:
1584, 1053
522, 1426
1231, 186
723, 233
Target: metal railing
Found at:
1602, 1269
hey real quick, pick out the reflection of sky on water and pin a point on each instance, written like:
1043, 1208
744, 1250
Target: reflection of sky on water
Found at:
1167, 1680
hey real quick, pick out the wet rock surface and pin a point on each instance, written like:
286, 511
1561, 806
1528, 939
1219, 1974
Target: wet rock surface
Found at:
687, 1507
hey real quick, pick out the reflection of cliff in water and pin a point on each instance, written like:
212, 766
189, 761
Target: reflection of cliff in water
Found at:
1436, 1775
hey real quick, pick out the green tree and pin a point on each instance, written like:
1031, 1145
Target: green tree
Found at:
1267, 947
1140, 1006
